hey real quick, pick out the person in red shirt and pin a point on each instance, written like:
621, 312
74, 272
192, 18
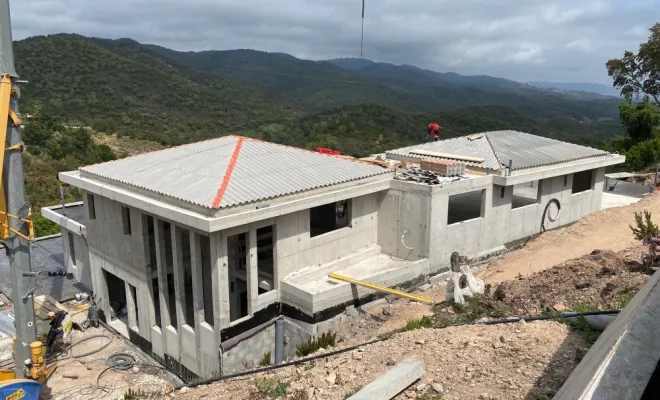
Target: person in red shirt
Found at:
434, 131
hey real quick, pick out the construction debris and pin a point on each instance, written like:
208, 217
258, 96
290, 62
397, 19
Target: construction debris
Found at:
443, 167
460, 272
393, 382
426, 177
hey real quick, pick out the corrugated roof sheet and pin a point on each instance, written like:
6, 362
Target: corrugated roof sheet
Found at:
232, 170
498, 147
529, 151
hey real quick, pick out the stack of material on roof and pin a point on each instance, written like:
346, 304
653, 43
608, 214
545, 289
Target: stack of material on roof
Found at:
443, 167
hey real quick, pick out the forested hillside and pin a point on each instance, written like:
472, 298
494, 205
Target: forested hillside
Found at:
86, 92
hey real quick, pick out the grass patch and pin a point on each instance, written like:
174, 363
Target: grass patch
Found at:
326, 340
582, 327
624, 299
271, 388
429, 395
311, 365
265, 360
413, 324
474, 309
352, 392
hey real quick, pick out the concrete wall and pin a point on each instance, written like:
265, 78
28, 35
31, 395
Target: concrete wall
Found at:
423, 211
248, 353
297, 250
80, 269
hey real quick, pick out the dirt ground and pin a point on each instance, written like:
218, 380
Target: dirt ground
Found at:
607, 229
94, 381
476, 362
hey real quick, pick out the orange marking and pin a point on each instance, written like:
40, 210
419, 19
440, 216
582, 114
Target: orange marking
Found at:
227, 177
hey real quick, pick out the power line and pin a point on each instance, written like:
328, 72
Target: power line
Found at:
362, 37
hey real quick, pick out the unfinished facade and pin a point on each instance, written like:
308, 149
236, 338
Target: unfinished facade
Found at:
194, 250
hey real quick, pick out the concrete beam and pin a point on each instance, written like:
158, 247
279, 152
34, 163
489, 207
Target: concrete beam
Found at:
179, 280
163, 294
52, 214
252, 271
550, 171
393, 382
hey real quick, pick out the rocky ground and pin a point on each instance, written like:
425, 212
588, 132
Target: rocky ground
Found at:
509, 361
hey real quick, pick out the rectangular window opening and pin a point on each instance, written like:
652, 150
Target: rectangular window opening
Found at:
582, 181
72, 248
169, 267
126, 219
465, 206
207, 279
565, 180
135, 304
91, 208
189, 307
525, 194
237, 248
329, 217
265, 258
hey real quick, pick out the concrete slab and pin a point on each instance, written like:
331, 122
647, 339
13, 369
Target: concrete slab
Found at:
610, 200
393, 382
313, 292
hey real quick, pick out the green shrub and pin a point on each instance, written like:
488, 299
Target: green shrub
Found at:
413, 324
327, 339
271, 388
645, 228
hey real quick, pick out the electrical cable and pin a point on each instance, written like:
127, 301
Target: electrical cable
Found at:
550, 218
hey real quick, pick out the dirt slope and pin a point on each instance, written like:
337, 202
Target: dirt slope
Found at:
607, 229
471, 362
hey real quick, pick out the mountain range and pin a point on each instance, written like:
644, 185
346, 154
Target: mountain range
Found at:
151, 92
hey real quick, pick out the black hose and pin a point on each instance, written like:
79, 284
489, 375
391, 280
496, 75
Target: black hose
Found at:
545, 212
89, 353
543, 317
121, 361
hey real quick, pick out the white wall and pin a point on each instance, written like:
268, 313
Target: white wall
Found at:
296, 249
81, 268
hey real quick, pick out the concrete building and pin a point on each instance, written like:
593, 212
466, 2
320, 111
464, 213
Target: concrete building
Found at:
203, 245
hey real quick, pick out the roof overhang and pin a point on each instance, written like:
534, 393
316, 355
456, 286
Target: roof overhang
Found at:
550, 171
208, 220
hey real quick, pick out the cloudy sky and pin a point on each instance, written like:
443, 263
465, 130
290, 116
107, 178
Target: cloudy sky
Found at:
553, 40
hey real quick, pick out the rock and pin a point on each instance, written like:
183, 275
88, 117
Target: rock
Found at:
502, 339
340, 380
331, 378
387, 310
522, 321
309, 392
321, 351
136, 369
184, 389
424, 287
390, 362
484, 396
497, 344
421, 387
559, 307
357, 356
419, 341
437, 387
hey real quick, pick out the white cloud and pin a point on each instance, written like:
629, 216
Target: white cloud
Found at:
517, 39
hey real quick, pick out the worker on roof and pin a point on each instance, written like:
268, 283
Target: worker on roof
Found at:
434, 131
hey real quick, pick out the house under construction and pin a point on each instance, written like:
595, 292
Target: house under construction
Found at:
194, 250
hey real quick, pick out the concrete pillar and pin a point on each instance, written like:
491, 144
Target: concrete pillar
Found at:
130, 307
179, 280
164, 295
220, 276
197, 283
252, 272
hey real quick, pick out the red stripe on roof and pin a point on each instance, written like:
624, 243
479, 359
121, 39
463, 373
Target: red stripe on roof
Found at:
227, 177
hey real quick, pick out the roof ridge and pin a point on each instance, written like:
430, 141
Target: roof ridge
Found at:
228, 172
490, 145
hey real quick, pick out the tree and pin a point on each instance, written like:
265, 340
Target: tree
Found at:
638, 75
639, 119
644, 226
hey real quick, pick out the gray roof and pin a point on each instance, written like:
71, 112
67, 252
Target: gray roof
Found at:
232, 170
498, 147
75, 212
47, 255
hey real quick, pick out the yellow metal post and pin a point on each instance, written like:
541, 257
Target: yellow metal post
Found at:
5, 96
380, 288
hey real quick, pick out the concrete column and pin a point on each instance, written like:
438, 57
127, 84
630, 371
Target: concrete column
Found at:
179, 280
197, 282
130, 306
252, 272
164, 295
220, 276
